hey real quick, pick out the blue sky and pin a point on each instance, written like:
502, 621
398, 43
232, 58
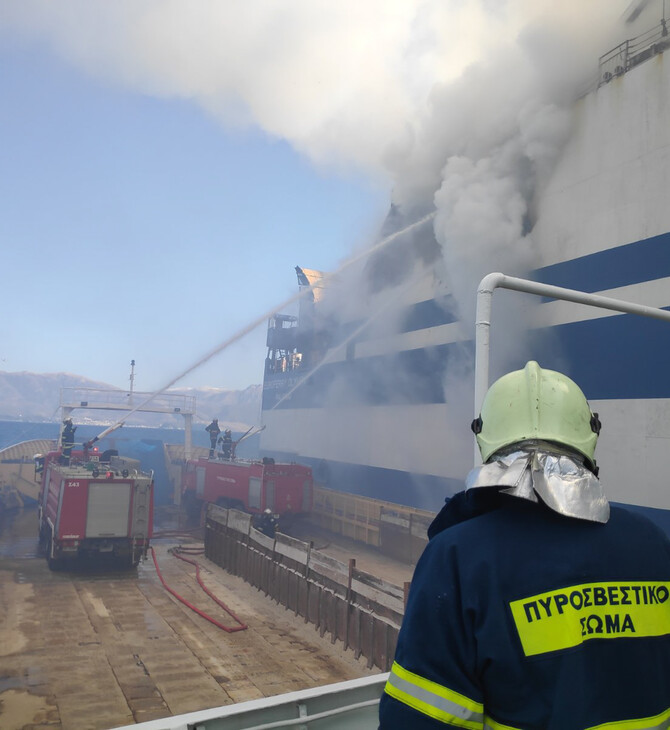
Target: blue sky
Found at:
136, 227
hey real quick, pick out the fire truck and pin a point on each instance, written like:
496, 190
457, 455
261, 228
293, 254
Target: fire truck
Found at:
93, 505
250, 486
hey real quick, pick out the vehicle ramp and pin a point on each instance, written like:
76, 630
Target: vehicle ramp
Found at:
17, 471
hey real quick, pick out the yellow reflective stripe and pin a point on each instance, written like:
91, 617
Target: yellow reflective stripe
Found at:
433, 699
567, 617
657, 722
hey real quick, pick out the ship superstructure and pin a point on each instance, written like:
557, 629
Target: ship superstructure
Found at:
372, 408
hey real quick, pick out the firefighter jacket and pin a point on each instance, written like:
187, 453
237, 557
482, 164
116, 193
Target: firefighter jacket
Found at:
67, 438
522, 618
213, 430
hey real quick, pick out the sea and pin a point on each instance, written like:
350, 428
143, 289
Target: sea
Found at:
135, 442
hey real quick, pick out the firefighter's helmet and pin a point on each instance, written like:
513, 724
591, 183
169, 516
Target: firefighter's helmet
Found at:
536, 404
268, 511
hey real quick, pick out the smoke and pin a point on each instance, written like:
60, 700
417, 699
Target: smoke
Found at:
460, 106
345, 82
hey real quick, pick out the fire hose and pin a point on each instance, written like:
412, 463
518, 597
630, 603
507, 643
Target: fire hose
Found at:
229, 629
176, 533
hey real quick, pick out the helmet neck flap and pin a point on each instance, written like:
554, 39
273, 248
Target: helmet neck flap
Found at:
536, 470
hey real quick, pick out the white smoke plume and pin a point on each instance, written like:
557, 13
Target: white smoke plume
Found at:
345, 82
460, 106
457, 103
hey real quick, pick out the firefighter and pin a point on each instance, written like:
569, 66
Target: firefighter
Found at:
226, 442
214, 431
535, 604
67, 441
268, 523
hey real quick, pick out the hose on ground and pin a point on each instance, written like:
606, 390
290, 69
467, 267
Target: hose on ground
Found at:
229, 629
177, 533
190, 550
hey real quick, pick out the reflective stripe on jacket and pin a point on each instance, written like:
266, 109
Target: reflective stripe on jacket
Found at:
521, 619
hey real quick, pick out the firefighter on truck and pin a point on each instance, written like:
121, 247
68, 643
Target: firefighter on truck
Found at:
536, 605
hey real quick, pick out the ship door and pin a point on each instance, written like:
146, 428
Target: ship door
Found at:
255, 492
200, 481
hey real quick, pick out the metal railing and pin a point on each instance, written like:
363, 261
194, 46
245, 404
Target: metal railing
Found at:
633, 51
106, 399
346, 705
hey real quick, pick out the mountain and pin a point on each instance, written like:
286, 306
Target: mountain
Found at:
36, 397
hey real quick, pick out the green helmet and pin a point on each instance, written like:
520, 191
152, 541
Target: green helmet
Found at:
536, 404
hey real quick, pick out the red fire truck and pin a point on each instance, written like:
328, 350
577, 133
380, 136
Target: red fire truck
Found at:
93, 504
250, 486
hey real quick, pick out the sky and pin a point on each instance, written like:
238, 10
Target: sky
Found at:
165, 164
135, 227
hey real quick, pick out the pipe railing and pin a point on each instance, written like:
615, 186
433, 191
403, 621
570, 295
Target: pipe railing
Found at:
496, 280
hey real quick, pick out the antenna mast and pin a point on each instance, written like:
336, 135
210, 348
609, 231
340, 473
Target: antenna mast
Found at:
132, 380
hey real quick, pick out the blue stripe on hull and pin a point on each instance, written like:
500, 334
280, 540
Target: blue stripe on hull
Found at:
632, 263
612, 358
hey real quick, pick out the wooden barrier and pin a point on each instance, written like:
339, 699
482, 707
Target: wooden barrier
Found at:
347, 515
398, 531
354, 607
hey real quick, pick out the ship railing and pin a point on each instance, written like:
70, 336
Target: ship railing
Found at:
107, 399
632, 52
346, 705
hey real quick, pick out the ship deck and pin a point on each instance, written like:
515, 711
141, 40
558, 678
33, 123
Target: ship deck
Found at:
102, 649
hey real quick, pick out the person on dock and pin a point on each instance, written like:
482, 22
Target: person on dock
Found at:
67, 441
214, 431
535, 604
268, 523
